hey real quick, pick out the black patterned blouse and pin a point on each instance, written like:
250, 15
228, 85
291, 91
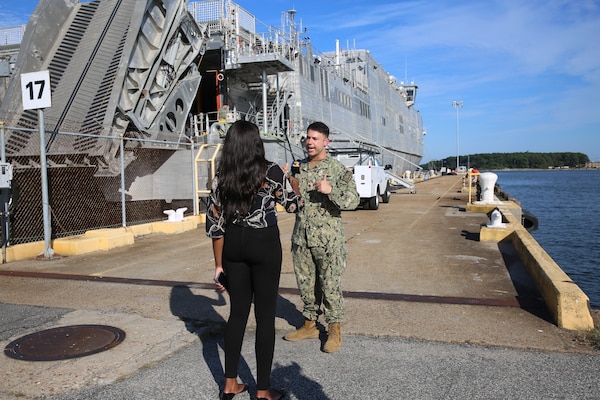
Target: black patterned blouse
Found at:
277, 189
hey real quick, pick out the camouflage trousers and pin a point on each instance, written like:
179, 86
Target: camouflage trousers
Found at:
318, 275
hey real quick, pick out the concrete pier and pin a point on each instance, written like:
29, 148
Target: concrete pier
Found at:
422, 267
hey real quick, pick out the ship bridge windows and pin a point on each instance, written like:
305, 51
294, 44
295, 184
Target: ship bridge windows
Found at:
410, 92
365, 109
344, 100
352, 60
410, 95
324, 83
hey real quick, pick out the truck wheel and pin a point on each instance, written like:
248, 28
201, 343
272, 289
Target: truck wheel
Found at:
374, 202
385, 197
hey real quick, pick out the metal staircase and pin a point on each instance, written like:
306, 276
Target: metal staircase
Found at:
276, 104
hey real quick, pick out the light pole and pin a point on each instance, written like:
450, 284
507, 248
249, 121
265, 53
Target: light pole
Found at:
457, 104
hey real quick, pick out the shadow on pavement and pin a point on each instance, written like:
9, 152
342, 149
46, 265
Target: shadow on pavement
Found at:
198, 314
528, 295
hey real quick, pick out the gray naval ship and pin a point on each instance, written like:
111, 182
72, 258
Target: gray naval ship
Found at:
145, 85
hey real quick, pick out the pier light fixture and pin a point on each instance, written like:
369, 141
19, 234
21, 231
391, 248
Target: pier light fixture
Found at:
456, 105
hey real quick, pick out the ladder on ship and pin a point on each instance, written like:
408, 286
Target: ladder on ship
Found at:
205, 169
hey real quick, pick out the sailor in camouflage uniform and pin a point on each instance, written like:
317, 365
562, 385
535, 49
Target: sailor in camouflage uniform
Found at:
318, 241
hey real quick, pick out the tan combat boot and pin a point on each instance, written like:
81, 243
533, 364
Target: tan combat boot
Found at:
334, 338
308, 331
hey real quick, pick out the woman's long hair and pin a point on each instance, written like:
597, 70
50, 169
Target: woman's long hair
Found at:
242, 169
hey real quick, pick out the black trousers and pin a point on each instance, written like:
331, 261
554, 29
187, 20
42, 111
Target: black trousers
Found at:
252, 263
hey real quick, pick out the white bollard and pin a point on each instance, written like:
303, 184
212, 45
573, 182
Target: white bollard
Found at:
487, 181
175, 215
496, 220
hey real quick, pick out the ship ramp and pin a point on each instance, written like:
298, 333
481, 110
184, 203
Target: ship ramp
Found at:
117, 68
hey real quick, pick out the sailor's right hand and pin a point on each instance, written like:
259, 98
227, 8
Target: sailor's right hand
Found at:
323, 186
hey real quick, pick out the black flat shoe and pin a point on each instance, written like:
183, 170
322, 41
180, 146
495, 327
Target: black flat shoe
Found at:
230, 396
281, 393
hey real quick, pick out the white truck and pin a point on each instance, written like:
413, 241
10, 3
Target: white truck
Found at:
372, 181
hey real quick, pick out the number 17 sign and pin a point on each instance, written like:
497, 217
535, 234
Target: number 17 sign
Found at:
35, 89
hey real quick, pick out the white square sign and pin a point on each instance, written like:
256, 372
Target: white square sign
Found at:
35, 90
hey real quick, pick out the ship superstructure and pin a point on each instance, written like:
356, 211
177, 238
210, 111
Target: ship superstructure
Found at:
294, 85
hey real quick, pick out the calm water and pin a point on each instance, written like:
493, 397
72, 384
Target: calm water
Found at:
567, 205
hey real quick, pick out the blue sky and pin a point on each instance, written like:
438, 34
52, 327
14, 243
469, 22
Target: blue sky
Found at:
527, 72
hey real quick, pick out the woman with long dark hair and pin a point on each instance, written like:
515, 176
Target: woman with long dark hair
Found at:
242, 221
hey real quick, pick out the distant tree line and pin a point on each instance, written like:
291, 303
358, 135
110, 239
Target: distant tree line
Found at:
524, 160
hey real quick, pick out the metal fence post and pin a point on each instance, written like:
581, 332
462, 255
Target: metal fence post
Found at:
194, 178
123, 210
48, 251
5, 221
2, 146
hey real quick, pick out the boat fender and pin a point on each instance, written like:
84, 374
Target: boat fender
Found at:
529, 221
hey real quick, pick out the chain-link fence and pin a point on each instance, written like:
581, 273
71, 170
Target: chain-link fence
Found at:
85, 193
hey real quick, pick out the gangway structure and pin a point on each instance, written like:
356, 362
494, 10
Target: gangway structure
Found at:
398, 180
395, 179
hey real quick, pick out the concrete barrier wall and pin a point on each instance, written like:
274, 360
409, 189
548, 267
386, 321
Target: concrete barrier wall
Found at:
569, 305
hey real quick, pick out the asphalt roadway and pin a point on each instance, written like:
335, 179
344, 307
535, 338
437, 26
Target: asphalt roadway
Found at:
432, 313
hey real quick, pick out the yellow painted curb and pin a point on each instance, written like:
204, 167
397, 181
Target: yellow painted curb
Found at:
99, 239
24, 251
140, 230
72, 245
102, 239
173, 226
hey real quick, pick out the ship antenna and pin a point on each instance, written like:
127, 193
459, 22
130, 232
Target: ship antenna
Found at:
293, 37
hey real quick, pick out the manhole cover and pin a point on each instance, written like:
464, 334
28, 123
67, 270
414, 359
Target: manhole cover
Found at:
64, 342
